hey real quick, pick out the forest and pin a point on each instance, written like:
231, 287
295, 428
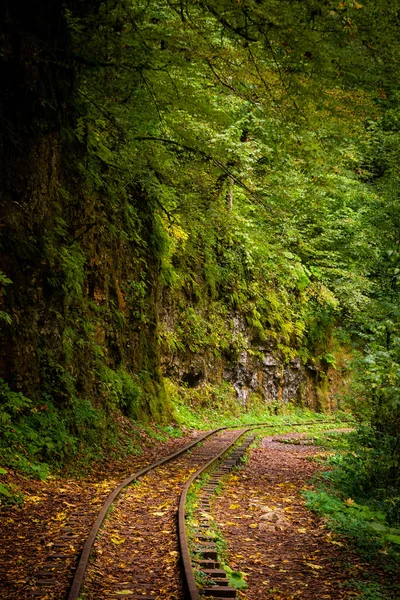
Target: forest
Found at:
199, 215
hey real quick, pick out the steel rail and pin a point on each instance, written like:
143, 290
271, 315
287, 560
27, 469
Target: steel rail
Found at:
183, 541
80, 570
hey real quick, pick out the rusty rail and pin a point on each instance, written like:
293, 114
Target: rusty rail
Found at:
77, 582
80, 571
183, 541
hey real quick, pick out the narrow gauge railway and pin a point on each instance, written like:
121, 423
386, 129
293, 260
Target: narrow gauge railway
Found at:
136, 554
69, 550
202, 555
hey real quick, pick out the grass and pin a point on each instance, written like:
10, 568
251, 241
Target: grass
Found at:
210, 407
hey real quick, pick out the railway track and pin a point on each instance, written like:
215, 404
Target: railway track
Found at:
203, 554
136, 554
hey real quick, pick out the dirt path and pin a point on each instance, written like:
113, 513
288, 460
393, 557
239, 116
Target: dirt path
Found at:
285, 551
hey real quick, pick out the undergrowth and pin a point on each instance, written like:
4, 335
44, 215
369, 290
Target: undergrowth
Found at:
38, 438
357, 497
210, 406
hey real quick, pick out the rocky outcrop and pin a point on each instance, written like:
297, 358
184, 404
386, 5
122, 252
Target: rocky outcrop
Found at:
254, 370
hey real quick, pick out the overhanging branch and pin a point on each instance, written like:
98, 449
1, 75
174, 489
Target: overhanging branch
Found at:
209, 157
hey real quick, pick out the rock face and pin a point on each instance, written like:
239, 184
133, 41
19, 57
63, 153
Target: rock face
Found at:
271, 379
254, 370
266, 375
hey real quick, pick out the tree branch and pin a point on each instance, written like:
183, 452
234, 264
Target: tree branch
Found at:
216, 161
238, 30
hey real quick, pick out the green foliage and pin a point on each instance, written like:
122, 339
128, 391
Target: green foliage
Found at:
288, 272
9, 496
4, 281
369, 471
37, 437
235, 578
350, 522
12, 403
207, 406
357, 495
369, 590
120, 391
225, 186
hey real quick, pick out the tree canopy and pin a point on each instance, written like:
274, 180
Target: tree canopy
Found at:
210, 162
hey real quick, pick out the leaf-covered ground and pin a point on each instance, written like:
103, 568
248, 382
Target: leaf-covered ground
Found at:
284, 550
55, 508
137, 553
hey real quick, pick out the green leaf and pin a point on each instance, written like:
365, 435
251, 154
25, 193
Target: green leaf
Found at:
379, 527
393, 538
4, 490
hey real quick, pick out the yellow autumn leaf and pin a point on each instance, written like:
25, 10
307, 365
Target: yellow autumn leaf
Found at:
117, 540
331, 541
158, 514
253, 525
312, 566
178, 233
61, 516
234, 506
33, 498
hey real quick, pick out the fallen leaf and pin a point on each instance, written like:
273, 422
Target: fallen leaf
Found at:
117, 540
312, 566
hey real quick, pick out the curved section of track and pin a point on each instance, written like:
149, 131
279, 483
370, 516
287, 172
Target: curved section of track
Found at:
215, 444
137, 552
87, 548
